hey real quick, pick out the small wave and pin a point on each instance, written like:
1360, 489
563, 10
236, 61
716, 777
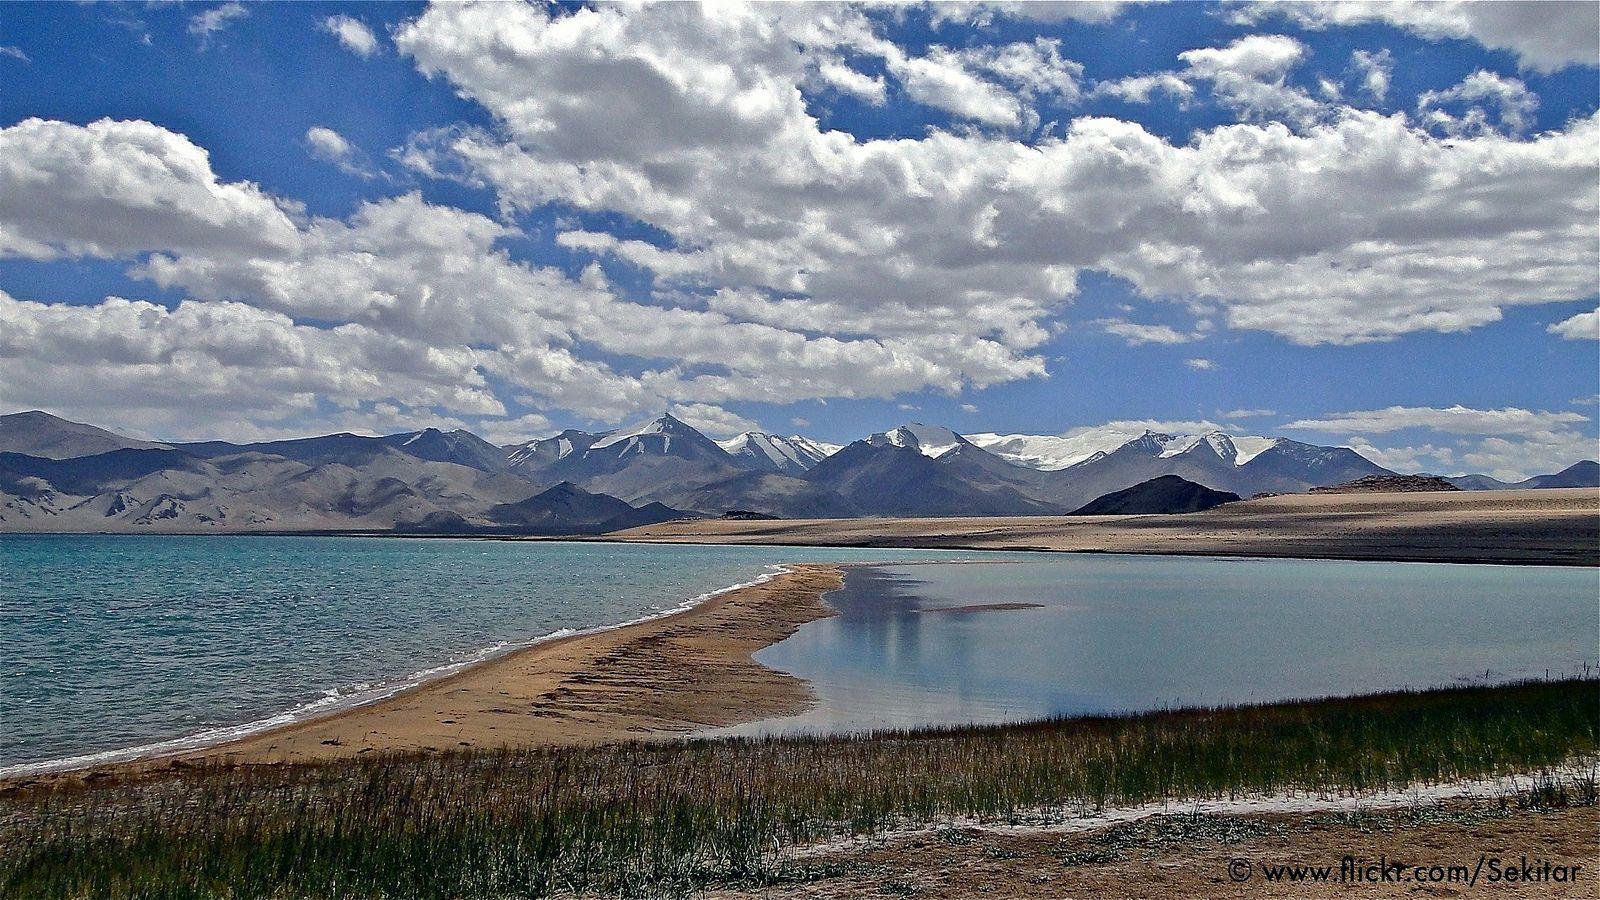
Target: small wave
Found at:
336, 700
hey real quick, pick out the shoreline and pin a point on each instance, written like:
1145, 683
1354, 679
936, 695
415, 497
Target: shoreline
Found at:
1544, 527
840, 817
658, 677
1554, 527
587, 687
1420, 559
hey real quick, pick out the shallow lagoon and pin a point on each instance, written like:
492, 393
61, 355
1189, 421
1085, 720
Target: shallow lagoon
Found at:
1120, 633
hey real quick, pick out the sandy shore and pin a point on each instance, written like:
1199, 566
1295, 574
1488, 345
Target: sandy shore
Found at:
693, 669
666, 676
1552, 527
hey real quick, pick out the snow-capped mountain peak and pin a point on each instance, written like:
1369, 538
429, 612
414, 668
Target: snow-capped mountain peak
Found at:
1050, 453
932, 441
822, 449
664, 424
550, 449
574, 452
777, 453
1174, 444
1222, 445
1236, 450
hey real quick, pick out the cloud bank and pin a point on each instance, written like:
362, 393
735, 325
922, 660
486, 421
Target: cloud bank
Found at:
785, 259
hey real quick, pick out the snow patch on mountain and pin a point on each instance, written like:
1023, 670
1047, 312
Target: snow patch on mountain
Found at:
792, 453
1172, 445
666, 425
520, 453
821, 449
1251, 447
932, 441
1237, 450
1050, 453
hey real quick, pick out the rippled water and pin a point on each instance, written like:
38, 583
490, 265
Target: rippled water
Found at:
1120, 633
115, 641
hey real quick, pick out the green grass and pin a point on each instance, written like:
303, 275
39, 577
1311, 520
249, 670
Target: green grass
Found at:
668, 819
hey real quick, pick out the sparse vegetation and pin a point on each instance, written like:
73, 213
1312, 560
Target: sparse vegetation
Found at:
666, 819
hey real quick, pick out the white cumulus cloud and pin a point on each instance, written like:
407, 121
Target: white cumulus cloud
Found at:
1581, 327
786, 260
1544, 36
1356, 227
1373, 71
113, 188
1484, 102
1137, 333
330, 146
1508, 443
1251, 75
1454, 420
423, 285
713, 420
353, 34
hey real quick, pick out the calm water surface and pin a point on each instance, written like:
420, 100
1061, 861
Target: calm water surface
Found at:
117, 641
1116, 633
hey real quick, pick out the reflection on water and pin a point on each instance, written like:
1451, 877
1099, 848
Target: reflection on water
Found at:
1115, 633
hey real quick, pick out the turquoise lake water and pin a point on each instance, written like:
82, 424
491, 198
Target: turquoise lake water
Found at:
1125, 633
116, 642
119, 641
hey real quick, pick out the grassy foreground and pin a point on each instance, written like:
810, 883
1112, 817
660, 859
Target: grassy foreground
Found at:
666, 819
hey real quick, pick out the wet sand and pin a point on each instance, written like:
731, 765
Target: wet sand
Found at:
1546, 527
663, 677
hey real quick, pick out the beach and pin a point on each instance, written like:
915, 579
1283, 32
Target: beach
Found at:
1538, 527
661, 677
665, 676
579, 733
692, 670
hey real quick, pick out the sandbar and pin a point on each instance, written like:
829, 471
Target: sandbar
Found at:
980, 607
659, 678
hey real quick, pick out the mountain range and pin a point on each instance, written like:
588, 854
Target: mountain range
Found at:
57, 475
1579, 474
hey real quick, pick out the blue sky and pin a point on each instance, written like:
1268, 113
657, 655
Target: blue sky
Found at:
1335, 222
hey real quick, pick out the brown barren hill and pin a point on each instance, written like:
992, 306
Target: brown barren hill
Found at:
1551, 527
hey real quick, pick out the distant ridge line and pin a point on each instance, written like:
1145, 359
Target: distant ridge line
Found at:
58, 475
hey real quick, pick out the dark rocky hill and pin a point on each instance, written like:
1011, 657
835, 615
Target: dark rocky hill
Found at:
1388, 484
569, 509
1163, 495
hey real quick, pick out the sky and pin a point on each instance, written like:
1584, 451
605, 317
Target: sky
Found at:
1372, 225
